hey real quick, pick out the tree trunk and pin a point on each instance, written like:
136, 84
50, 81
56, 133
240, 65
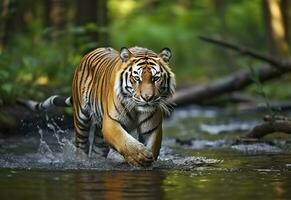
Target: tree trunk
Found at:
102, 21
3, 23
93, 11
13, 19
86, 12
275, 27
55, 16
286, 11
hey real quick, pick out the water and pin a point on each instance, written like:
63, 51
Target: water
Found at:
201, 158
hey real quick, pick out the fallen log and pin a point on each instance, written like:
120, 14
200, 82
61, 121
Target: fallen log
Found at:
271, 125
234, 82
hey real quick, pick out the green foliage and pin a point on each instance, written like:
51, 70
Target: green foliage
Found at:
178, 26
40, 62
33, 66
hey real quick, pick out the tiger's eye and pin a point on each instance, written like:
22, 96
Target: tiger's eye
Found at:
136, 78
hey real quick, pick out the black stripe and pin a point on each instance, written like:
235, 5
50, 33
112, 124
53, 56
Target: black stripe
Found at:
128, 88
142, 63
99, 67
116, 120
60, 101
85, 113
151, 130
95, 57
120, 83
98, 101
116, 108
101, 93
168, 82
85, 64
152, 62
146, 119
126, 78
105, 150
103, 81
80, 122
126, 110
141, 139
82, 136
83, 129
82, 142
38, 106
71, 100
126, 82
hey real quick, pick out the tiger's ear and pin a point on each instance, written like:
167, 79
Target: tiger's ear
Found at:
125, 54
165, 54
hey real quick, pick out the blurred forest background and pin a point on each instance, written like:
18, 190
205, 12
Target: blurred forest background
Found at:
41, 42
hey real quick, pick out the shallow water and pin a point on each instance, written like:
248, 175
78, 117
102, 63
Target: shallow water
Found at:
207, 162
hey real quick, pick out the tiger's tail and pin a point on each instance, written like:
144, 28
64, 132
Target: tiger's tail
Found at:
49, 103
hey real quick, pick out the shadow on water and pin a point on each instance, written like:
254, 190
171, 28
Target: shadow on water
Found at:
200, 158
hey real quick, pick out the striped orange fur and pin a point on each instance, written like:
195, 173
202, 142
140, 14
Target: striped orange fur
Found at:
119, 93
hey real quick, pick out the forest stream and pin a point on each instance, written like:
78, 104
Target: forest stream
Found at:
202, 157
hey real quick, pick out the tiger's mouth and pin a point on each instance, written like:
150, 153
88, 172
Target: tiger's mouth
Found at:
146, 104
152, 103
146, 107
151, 106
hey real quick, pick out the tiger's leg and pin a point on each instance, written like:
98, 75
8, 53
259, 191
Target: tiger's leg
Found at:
82, 123
99, 147
153, 140
134, 152
150, 132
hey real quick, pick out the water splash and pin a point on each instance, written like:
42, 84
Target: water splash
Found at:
61, 155
44, 149
56, 150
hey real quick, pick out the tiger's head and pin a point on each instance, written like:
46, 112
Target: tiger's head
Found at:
147, 80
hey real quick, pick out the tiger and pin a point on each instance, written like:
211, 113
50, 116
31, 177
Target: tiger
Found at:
118, 93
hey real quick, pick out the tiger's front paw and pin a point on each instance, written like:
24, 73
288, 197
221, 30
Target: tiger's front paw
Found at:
137, 154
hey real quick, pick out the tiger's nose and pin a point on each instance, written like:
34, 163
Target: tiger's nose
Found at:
147, 97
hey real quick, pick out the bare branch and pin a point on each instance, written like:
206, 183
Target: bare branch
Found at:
281, 64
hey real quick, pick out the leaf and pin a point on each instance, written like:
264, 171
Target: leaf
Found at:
7, 88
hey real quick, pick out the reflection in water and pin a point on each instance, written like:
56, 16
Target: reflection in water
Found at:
166, 184
119, 185
45, 168
279, 190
